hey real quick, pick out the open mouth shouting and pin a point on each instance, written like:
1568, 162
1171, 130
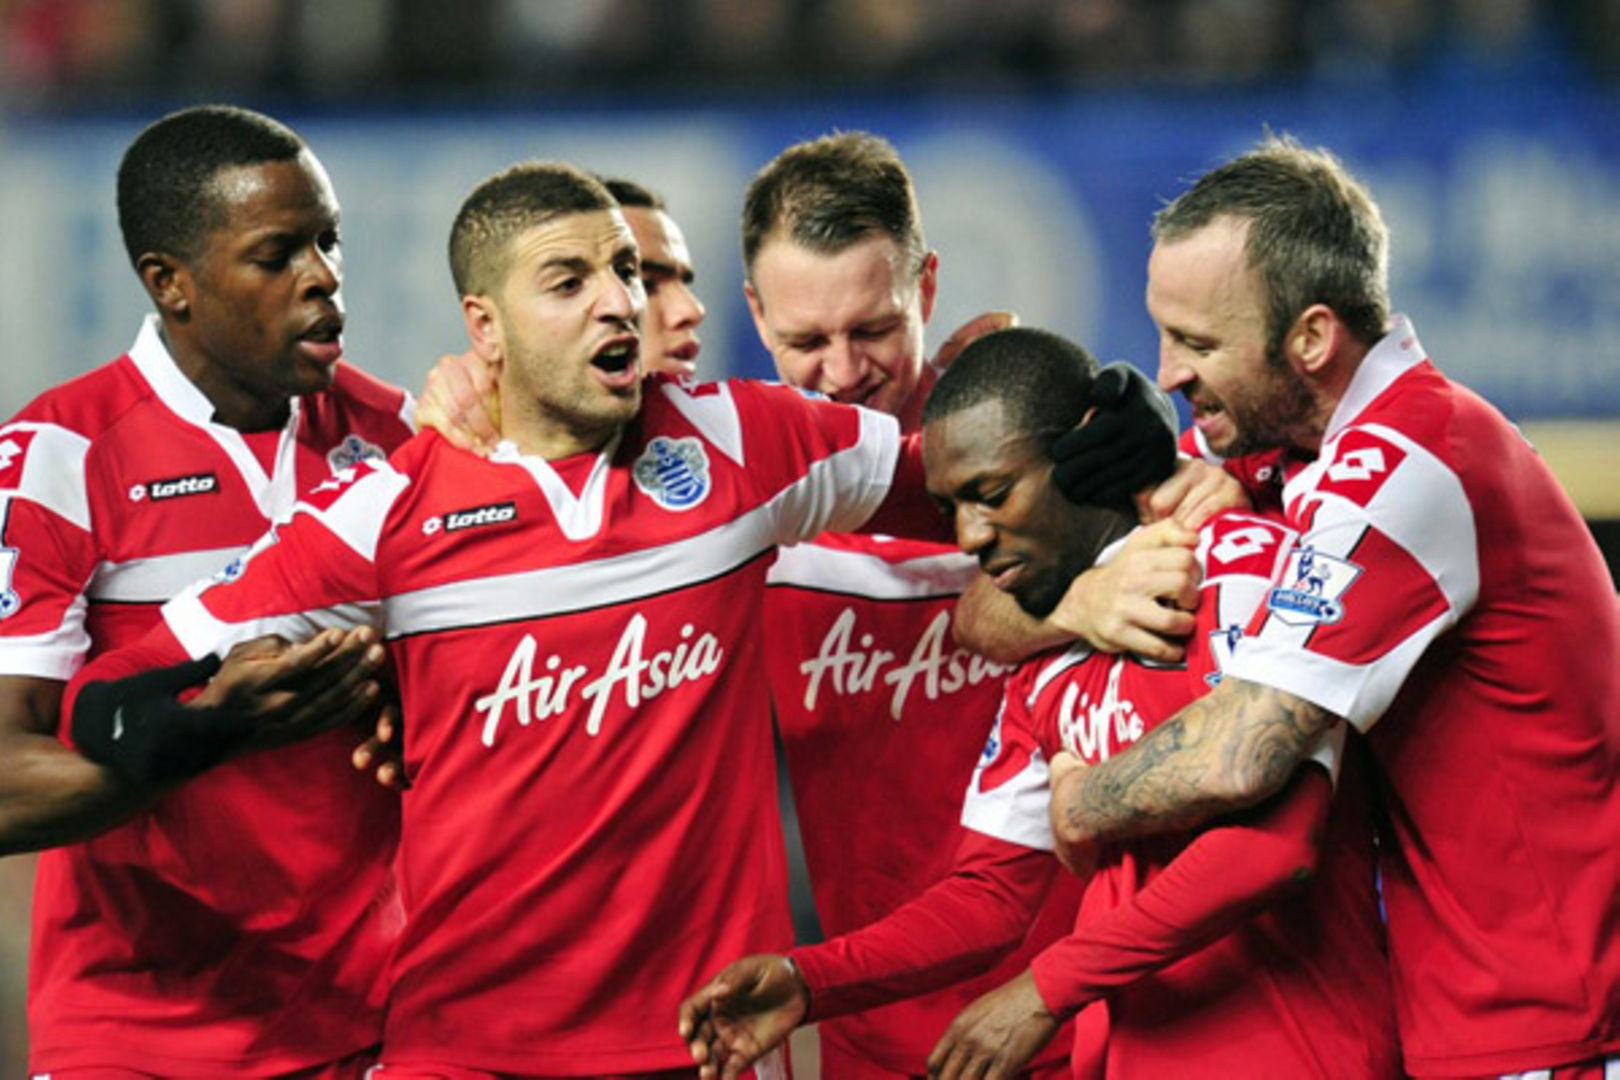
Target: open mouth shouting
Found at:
616, 362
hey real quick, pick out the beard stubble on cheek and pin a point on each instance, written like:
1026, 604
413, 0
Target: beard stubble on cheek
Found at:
1271, 412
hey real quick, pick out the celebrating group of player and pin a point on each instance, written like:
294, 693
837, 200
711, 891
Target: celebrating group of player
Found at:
1367, 666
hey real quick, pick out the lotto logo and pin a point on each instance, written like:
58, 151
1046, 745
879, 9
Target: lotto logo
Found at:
471, 518
180, 486
493, 514
1242, 544
175, 487
1358, 465
1362, 462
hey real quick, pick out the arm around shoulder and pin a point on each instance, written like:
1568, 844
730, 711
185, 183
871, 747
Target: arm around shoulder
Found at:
1228, 750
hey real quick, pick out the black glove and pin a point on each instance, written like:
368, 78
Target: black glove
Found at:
138, 728
1128, 444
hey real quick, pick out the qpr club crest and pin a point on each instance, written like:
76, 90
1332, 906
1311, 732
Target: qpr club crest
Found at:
673, 472
351, 452
1318, 582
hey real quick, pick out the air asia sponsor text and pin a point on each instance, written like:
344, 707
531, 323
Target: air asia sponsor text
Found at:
638, 676
853, 668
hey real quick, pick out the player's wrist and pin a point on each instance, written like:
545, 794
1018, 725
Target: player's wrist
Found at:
138, 728
799, 981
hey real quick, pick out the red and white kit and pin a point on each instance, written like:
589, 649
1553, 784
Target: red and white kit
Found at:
592, 828
1447, 599
880, 708
231, 928
1299, 989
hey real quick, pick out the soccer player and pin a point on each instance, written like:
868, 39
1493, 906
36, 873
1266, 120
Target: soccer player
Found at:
223, 926
669, 341
1444, 598
862, 655
460, 400
1299, 990
576, 623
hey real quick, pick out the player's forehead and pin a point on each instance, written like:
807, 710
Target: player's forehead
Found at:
290, 194
592, 236
1204, 278
804, 291
658, 236
968, 447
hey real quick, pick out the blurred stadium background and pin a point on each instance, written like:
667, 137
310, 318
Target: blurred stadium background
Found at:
1042, 135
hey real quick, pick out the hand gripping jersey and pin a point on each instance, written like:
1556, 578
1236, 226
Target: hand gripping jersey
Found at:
232, 928
1446, 591
1300, 989
880, 709
592, 827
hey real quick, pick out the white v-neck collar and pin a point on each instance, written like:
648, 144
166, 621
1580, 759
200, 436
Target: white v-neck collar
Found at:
275, 493
578, 518
1396, 353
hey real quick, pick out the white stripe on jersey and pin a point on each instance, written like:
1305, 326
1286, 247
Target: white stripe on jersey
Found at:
1358, 693
799, 511
53, 470
156, 579
712, 413
356, 516
865, 574
200, 633
1016, 811
840, 492
57, 654
558, 590
1422, 507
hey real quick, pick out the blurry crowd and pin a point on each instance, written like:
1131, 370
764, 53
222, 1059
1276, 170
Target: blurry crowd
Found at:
88, 53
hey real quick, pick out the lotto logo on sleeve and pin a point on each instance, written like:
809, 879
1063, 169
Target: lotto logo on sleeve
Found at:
1315, 582
1242, 545
13, 452
1361, 463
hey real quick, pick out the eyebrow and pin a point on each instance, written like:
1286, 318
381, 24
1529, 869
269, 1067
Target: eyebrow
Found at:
574, 264
657, 268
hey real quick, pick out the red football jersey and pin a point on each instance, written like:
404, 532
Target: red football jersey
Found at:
231, 928
1446, 590
879, 707
592, 827
1301, 989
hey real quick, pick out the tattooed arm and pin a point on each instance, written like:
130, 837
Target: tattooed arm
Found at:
1230, 749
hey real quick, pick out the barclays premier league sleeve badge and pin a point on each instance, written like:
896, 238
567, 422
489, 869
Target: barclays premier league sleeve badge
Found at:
674, 473
1317, 582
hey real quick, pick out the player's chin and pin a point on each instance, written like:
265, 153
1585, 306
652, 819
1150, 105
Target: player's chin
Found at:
308, 377
619, 404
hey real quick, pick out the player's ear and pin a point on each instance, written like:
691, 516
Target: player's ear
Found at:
168, 282
928, 284
484, 328
1314, 339
756, 308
